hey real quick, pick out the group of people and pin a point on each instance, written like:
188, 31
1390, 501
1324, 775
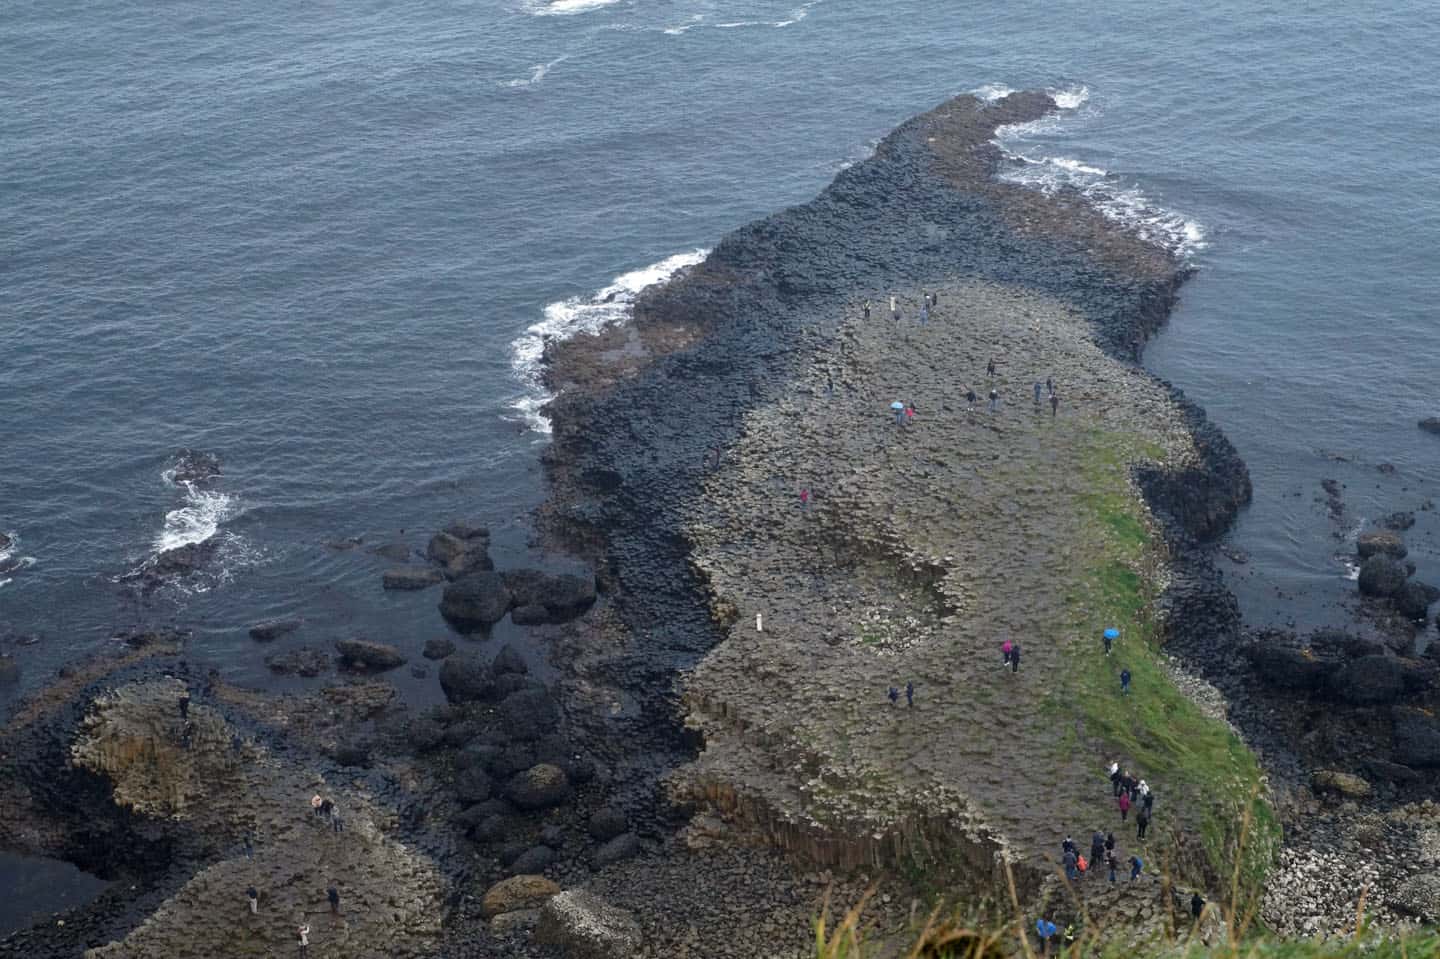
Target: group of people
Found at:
322, 807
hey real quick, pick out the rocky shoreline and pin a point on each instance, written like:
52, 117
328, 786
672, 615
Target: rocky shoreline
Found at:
714, 753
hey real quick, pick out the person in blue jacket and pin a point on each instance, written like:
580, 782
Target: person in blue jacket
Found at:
1046, 930
1125, 681
1136, 864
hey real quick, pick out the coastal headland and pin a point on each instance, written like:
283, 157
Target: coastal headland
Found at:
780, 682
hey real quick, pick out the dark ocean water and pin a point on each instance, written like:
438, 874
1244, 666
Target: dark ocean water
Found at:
312, 240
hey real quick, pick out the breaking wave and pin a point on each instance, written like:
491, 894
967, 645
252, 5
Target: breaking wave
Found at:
537, 73
581, 314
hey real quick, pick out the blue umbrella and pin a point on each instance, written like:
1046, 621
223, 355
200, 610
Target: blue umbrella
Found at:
1112, 633
897, 405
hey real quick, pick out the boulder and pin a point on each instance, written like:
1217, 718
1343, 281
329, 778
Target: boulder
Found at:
437, 648
443, 548
1414, 599
1369, 680
1337, 783
180, 561
1390, 772
528, 714
1290, 668
563, 597
513, 758
509, 660
458, 556
530, 614
492, 828
1380, 542
467, 679
539, 787
273, 629
1417, 737
472, 785
424, 735
622, 847
411, 578
356, 753
607, 823
534, 860
517, 892
1381, 576
476, 754
1430, 424
305, 661
476, 602
584, 926
363, 654
1419, 896
194, 466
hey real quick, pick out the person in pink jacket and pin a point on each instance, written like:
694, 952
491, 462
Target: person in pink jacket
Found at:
1005, 649
1124, 802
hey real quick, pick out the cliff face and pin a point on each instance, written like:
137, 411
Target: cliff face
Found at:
682, 443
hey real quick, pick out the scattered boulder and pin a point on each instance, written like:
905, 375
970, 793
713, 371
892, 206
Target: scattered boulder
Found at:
563, 597
355, 753
539, 787
534, 860
273, 629
437, 648
467, 679
509, 660
443, 548
1378, 542
1419, 896
622, 847
411, 578
511, 759
363, 654
458, 556
1414, 599
517, 892
528, 714
1369, 680
1417, 737
1381, 576
473, 785
1431, 424
180, 561
305, 661
584, 926
476, 602
607, 823
1337, 783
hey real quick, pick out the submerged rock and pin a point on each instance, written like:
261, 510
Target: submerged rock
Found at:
9, 670
1431, 424
476, 602
1414, 599
195, 466
273, 629
437, 648
363, 654
411, 577
563, 597
467, 679
305, 661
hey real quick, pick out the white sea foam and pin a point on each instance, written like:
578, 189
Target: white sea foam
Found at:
581, 314
197, 520
991, 92
795, 16
565, 8
695, 21
9, 562
537, 73
1121, 201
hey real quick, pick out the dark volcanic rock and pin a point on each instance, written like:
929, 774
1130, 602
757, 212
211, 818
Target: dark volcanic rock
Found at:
443, 548
411, 577
1380, 541
607, 823
563, 597
1431, 424
424, 735
458, 556
473, 785
531, 615
194, 466
509, 660
538, 787
529, 714
622, 847
180, 561
512, 759
1290, 668
1417, 737
1369, 680
492, 828
534, 860
305, 661
273, 629
1414, 599
1399, 521
584, 926
467, 679
476, 602
437, 648
1381, 576
363, 654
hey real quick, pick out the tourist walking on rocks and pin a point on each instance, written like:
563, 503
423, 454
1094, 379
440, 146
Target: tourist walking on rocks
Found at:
924, 313
1037, 392
1142, 790
1050, 385
1147, 801
327, 809
315, 803
254, 898
1068, 845
1071, 870
899, 410
1046, 930
970, 396
185, 705
1142, 822
805, 498
894, 696
994, 400
1115, 776
866, 309
304, 933
1112, 863
335, 822
333, 895
1054, 404
1109, 637
894, 310
1136, 864
1125, 682
1097, 846
1124, 803
910, 695
1006, 650
1015, 658
1109, 843
1197, 905
990, 367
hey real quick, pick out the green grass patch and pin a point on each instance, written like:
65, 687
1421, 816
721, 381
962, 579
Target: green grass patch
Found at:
1202, 774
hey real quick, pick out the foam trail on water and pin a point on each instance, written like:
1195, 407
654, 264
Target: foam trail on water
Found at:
195, 521
1070, 98
537, 73
553, 8
581, 314
9, 561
